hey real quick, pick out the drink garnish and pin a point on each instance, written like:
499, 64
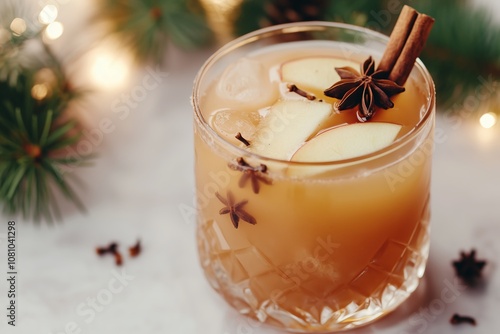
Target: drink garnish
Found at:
405, 44
293, 88
374, 87
240, 137
369, 89
235, 210
254, 174
458, 319
468, 268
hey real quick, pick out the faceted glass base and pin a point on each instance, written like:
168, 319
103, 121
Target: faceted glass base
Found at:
256, 287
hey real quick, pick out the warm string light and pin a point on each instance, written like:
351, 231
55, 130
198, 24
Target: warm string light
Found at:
18, 26
486, 133
221, 15
54, 30
488, 120
491, 109
45, 78
109, 70
45, 81
39, 91
48, 14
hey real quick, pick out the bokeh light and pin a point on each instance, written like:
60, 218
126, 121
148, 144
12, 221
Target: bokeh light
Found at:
18, 26
488, 120
109, 70
48, 14
54, 30
39, 91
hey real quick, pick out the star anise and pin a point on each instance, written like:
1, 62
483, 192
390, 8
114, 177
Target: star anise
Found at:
468, 268
254, 174
235, 210
369, 89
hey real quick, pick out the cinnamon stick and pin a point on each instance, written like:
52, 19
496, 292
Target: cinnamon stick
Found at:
399, 35
406, 42
413, 46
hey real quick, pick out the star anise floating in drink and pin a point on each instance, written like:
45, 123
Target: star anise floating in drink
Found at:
256, 175
468, 268
235, 209
369, 89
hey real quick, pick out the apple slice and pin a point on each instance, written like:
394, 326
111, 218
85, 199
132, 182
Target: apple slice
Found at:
287, 126
347, 141
316, 73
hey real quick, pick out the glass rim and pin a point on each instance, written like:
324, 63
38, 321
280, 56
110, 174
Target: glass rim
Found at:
306, 27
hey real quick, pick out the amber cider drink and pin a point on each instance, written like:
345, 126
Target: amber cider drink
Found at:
308, 246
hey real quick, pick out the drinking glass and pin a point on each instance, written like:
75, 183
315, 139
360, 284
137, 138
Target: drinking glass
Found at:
325, 246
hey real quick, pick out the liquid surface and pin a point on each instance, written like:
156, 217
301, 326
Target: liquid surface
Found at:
243, 96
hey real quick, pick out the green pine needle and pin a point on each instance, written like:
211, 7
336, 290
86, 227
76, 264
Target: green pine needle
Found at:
464, 45
250, 15
29, 161
33, 133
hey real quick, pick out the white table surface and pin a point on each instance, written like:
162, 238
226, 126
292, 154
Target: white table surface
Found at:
144, 175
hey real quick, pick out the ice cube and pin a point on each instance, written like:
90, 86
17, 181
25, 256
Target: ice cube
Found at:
247, 81
228, 122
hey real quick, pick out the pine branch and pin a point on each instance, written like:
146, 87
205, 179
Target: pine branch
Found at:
34, 96
463, 46
30, 163
250, 15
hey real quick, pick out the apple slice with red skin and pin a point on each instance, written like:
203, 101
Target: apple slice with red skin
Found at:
347, 141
